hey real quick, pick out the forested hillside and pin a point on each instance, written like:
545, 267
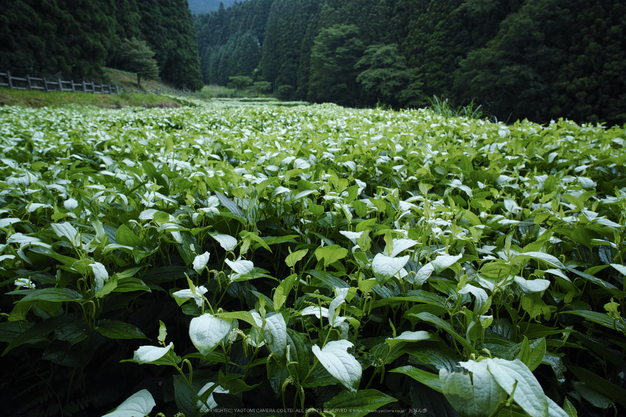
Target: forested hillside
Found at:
77, 38
536, 59
208, 6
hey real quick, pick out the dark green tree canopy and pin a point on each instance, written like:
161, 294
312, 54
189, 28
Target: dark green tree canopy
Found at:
77, 38
136, 56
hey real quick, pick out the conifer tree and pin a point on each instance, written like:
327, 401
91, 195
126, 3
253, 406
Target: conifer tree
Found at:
137, 57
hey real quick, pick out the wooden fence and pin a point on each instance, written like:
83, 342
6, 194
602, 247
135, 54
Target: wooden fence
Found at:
43, 84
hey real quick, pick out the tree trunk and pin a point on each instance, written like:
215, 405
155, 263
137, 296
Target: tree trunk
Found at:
138, 81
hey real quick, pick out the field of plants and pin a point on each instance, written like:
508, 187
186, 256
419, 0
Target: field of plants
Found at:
262, 260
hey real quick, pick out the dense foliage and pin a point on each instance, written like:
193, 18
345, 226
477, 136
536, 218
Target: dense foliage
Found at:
536, 59
264, 257
208, 6
77, 38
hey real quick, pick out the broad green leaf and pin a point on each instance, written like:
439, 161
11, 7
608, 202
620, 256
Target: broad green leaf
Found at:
207, 331
38, 330
124, 236
230, 205
357, 404
608, 389
475, 395
540, 256
119, 330
58, 295
294, 257
298, 354
431, 318
427, 378
282, 291
330, 254
532, 355
137, 405
339, 363
602, 319
149, 354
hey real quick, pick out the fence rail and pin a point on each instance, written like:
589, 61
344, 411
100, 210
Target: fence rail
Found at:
44, 84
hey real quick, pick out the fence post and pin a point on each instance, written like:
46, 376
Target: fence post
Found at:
45, 84
60, 85
30, 86
9, 78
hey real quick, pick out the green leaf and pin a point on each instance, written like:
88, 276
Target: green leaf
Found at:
137, 405
294, 257
124, 236
602, 319
298, 354
477, 395
58, 295
540, 256
357, 404
608, 389
532, 356
38, 330
427, 378
431, 318
229, 204
119, 330
330, 254
328, 279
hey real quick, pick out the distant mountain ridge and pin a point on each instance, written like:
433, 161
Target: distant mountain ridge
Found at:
207, 6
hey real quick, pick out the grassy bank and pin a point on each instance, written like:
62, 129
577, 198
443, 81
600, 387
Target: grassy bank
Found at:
58, 99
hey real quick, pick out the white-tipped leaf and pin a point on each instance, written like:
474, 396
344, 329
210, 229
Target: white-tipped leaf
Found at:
149, 354
200, 262
139, 404
241, 266
206, 332
227, 242
385, 267
339, 363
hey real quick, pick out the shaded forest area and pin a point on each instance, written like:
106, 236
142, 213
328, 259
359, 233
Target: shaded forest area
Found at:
78, 38
535, 59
